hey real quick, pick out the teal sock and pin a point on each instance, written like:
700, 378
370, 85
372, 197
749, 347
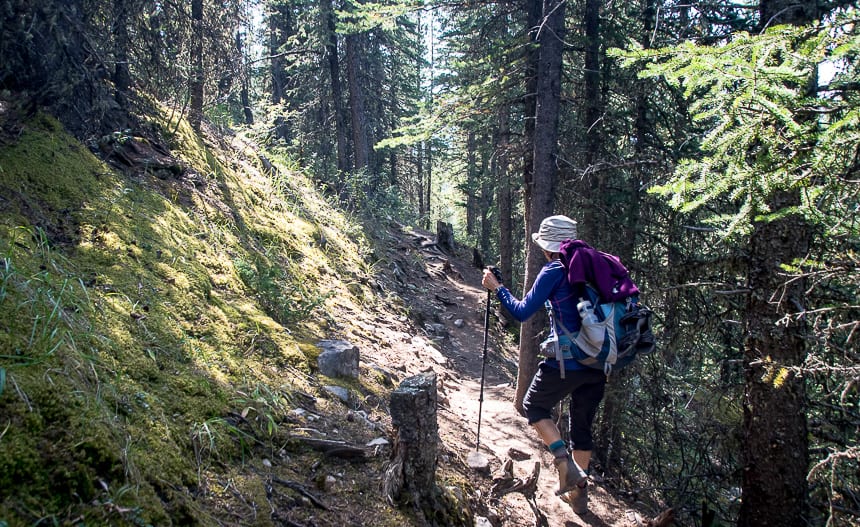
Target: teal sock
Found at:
558, 448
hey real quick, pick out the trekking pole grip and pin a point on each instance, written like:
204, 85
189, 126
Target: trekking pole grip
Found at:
497, 273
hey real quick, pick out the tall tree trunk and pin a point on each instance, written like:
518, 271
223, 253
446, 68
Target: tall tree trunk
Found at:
504, 196
610, 438
428, 145
593, 195
591, 190
533, 20
361, 146
541, 195
471, 183
486, 200
121, 73
196, 85
775, 436
244, 95
419, 176
428, 187
336, 89
392, 168
390, 122
279, 28
528, 348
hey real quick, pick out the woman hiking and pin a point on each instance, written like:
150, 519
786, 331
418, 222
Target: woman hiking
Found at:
555, 379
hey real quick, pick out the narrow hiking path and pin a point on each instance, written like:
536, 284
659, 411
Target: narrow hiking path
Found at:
444, 297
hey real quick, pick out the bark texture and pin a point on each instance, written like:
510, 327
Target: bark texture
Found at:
775, 437
413, 415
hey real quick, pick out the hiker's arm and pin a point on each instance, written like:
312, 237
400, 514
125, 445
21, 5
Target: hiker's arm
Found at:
545, 283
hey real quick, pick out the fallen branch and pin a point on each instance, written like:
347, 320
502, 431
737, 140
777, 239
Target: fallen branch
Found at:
298, 487
334, 448
506, 483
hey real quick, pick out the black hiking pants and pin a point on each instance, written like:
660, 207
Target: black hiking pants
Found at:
586, 389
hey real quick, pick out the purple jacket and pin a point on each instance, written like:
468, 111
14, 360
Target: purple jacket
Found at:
603, 271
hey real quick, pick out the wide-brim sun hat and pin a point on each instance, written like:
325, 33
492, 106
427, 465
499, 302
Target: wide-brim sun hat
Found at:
554, 230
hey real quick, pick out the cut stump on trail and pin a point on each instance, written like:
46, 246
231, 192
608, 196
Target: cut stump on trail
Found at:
445, 236
413, 414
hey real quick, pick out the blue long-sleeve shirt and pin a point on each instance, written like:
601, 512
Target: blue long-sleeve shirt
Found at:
550, 284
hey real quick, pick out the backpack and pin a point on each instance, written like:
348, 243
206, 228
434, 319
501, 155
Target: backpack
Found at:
616, 327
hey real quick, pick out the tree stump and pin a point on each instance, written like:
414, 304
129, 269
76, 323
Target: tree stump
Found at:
445, 236
413, 414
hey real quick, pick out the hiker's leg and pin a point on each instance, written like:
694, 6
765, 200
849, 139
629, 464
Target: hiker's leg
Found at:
547, 431
546, 390
582, 458
584, 402
577, 497
569, 473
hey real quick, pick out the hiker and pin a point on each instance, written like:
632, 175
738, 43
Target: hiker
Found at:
554, 381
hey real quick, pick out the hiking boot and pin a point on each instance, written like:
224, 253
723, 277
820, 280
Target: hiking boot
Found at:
569, 474
578, 498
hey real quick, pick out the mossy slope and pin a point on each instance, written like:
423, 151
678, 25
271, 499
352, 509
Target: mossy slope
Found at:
154, 328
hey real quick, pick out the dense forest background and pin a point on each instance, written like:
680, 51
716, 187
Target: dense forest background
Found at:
714, 146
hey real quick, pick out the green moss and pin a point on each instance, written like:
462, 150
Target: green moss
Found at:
50, 175
61, 452
18, 455
132, 335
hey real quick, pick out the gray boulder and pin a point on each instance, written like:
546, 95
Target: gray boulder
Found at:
339, 358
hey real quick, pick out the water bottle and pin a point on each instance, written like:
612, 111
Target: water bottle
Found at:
586, 312
591, 329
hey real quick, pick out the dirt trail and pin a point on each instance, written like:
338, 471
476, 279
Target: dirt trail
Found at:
447, 298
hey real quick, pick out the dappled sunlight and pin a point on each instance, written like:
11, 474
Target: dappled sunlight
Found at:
165, 295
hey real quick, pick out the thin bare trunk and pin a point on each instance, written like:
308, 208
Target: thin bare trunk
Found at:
336, 89
419, 176
504, 197
196, 84
541, 195
278, 27
244, 92
486, 200
361, 146
121, 73
591, 190
471, 183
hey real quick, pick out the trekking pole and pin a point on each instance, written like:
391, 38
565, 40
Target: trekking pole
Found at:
483, 365
476, 460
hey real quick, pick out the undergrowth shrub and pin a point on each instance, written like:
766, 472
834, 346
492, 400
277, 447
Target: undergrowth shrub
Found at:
284, 299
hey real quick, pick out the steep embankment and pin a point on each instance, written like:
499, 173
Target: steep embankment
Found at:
159, 319
158, 326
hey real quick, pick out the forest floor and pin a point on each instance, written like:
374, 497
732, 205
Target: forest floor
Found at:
444, 292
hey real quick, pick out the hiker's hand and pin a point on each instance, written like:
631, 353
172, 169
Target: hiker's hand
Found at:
489, 281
